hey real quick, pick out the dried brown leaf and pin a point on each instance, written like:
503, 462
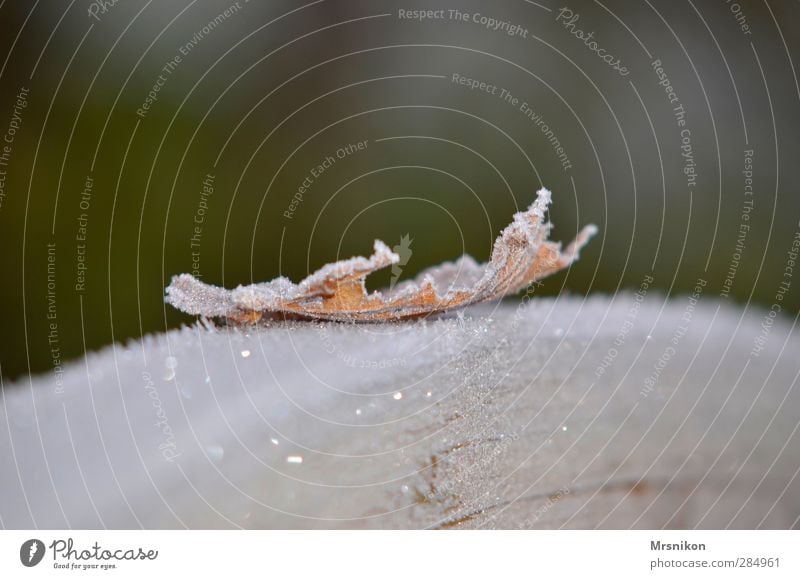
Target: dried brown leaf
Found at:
521, 255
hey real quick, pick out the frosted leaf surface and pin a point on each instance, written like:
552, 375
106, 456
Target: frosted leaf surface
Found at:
521, 255
506, 416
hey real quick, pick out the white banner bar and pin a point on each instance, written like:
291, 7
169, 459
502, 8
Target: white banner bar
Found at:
373, 554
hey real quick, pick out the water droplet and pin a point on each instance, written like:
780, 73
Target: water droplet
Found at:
215, 452
358, 412
563, 428
294, 459
274, 441
207, 380
559, 332
168, 375
397, 395
186, 392
245, 353
171, 362
429, 394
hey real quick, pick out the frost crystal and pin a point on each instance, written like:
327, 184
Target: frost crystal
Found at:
521, 255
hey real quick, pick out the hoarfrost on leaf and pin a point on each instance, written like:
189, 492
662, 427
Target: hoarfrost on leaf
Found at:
522, 254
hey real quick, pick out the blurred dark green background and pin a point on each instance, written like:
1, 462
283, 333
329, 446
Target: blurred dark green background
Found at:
266, 93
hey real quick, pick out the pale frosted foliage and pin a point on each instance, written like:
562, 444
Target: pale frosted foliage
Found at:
521, 255
508, 416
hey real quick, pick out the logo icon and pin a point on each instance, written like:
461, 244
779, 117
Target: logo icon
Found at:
403, 249
31, 552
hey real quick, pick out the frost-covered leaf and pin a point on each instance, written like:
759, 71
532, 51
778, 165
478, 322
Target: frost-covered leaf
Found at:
521, 255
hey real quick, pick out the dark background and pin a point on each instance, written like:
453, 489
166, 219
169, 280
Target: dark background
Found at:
277, 86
